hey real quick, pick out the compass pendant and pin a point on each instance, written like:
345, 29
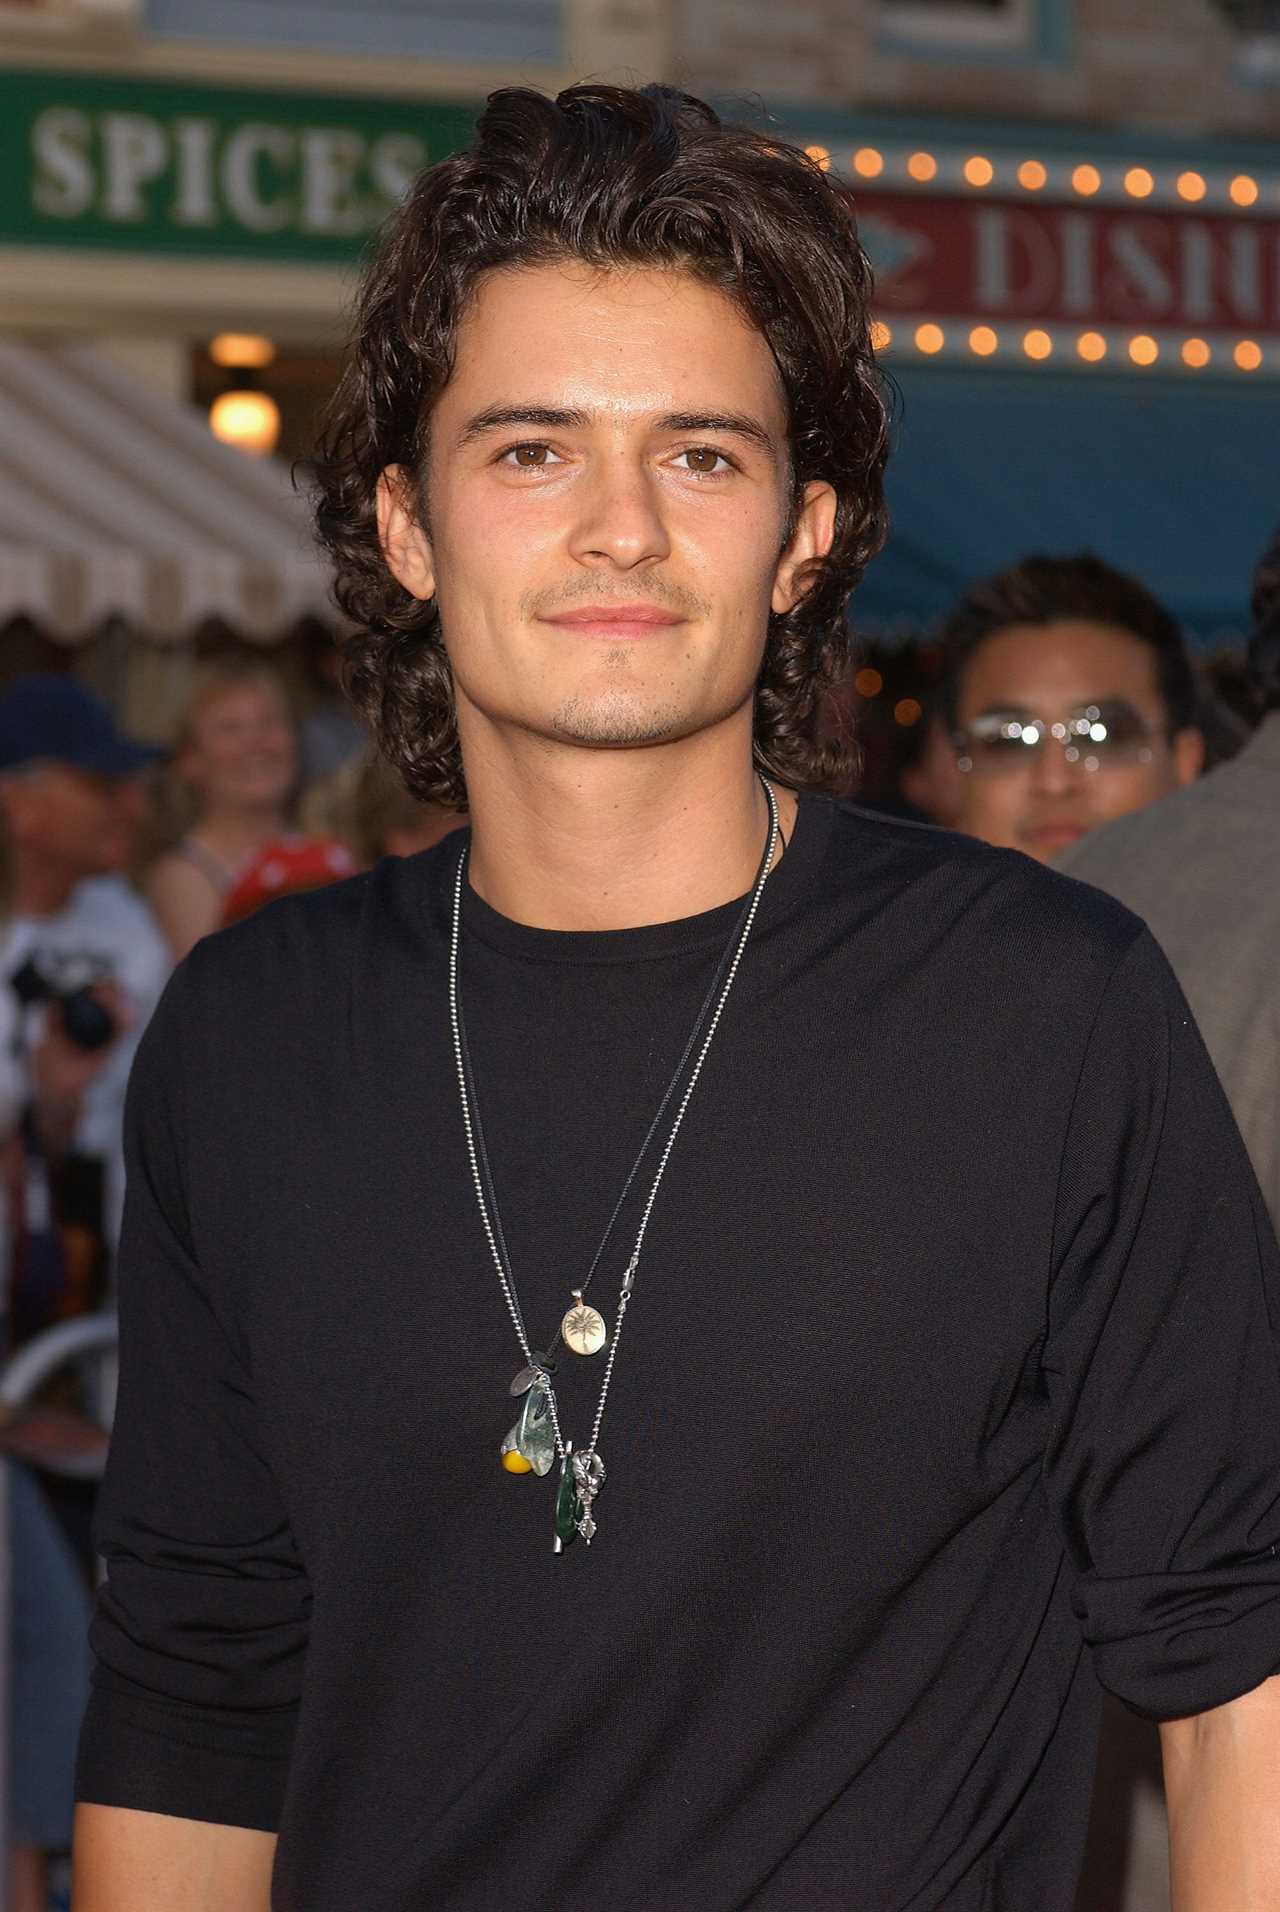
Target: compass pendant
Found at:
582, 1329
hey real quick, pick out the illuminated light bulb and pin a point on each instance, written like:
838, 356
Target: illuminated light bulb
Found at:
248, 420
868, 682
241, 349
922, 167
1091, 346
1086, 180
1196, 354
1143, 349
1138, 182
1243, 190
1032, 175
979, 171
1191, 186
868, 162
1248, 355
820, 157
1037, 344
881, 335
907, 712
930, 338
983, 341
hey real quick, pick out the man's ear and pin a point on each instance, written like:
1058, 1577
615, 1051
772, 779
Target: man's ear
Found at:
815, 527
1188, 756
405, 545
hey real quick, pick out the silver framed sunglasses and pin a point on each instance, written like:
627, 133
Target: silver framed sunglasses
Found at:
1108, 735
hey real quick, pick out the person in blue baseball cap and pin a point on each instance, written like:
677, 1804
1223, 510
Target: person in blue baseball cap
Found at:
69, 803
69, 807
64, 772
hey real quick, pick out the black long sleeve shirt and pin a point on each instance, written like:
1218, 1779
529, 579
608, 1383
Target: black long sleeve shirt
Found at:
948, 1383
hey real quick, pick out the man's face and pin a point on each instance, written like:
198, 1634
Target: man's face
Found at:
606, 508
1038, 799
74, 820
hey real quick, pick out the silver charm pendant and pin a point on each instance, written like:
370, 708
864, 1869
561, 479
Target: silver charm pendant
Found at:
527, 1376
582, 1329
588, 1474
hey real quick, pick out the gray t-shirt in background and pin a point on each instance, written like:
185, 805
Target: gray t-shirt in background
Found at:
1202, 868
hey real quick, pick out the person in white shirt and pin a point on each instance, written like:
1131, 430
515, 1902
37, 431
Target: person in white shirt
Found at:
66, 802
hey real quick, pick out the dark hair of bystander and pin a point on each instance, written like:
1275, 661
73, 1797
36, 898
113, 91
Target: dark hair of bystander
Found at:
1081, 588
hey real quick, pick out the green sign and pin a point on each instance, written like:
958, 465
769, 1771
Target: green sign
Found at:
166, 167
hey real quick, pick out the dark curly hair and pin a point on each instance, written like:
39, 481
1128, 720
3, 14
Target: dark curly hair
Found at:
1043, 590
612, 177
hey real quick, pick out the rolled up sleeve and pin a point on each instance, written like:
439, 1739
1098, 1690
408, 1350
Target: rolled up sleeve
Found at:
1161, 1363
199, 1634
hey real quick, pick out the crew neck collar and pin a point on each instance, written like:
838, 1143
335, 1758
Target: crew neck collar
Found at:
786, 884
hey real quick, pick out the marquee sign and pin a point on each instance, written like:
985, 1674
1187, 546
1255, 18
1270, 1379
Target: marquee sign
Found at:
1088, 266
1113, 264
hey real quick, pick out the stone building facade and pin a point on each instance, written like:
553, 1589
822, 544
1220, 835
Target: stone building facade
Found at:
1185, 66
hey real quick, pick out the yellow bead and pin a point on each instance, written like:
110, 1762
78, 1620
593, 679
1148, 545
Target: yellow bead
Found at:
515, 1462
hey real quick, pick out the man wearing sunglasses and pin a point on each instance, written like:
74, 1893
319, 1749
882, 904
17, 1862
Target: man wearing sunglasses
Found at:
1071, 700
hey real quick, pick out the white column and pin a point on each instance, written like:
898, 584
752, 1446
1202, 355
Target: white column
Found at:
628, 42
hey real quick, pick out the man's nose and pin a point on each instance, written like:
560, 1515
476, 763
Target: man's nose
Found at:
1052, 772
620, 519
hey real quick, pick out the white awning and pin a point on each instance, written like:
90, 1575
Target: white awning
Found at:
115, 502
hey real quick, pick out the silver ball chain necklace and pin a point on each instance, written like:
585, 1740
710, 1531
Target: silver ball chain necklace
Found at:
537, 1439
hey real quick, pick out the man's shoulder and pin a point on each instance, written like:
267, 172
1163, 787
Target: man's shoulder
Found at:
110, 909
1143, 838
293, 938
978, 893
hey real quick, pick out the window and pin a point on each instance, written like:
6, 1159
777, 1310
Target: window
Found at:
466, 30
996, 25
1257, 24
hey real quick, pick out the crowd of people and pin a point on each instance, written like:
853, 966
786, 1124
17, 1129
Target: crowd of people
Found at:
116, 859
1068, 699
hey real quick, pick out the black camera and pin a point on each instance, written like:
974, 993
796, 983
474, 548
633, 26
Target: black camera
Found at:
67, 981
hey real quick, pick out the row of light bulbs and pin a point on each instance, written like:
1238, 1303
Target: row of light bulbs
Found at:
1086, 180
1037, 344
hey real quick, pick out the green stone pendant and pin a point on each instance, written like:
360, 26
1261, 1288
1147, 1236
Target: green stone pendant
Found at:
533, 1438
568, 1505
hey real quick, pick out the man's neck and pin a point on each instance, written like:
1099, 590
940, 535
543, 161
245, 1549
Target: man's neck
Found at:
40, 888
573, 838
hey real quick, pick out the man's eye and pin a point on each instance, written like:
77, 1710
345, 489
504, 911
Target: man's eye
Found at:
703, 460
530, 457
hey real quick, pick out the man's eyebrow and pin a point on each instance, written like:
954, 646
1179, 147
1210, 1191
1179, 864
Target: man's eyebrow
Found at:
736, 424
500, 417
555, 418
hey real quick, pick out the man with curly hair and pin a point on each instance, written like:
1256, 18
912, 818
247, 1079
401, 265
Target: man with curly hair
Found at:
669, 1341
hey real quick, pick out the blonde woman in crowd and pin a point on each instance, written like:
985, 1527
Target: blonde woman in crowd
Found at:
235, 767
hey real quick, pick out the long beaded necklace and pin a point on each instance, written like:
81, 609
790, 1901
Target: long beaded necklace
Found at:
537, 1439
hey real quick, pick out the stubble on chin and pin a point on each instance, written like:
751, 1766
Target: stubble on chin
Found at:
613, 720
616, 716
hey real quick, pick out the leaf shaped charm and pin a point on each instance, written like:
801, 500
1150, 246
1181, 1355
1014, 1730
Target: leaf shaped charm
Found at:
568, 1506
533, 1438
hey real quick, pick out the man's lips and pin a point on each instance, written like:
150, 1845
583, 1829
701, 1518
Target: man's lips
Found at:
617, 620
1055, 832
